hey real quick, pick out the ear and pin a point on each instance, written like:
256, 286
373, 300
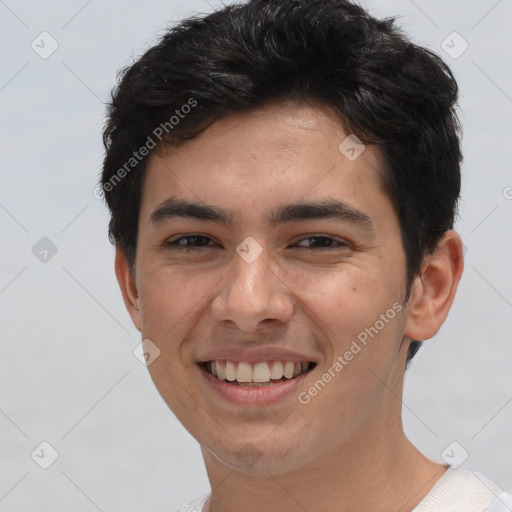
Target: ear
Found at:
433, 291
126, 281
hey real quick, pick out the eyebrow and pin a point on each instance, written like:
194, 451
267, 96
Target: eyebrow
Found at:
295, 212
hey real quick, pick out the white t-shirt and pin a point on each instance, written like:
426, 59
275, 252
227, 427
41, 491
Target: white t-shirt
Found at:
458, 490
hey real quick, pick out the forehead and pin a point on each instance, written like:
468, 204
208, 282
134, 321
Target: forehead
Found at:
263, 158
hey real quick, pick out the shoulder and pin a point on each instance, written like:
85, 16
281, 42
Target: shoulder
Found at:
196, 505
462, 490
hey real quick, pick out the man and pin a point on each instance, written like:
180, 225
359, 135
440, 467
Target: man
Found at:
283, 178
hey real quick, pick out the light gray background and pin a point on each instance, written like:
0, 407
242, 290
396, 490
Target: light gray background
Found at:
67, 372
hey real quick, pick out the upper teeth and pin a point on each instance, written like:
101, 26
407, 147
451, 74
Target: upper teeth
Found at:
259, 372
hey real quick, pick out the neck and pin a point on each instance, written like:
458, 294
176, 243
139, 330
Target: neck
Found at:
358, 477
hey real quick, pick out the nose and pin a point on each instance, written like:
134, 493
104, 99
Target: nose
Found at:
252, 294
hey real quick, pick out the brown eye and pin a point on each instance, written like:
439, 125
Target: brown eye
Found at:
189, 241
322, 242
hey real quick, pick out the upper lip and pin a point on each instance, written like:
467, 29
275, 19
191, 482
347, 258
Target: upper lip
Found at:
256, 355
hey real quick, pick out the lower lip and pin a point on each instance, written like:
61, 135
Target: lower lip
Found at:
252, 395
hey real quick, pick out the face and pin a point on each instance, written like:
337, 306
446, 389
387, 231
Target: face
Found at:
263, 248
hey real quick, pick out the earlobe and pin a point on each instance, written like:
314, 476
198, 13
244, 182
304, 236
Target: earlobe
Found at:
433, 291
126, 281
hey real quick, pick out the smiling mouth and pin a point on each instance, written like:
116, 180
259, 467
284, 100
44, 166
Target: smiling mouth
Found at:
261, 374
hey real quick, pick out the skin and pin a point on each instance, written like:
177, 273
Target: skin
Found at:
346, 449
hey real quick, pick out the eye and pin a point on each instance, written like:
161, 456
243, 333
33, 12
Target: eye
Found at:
322, 242
310, 242
189, 241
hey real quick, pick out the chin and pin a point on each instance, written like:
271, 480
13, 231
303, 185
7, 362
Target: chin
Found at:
258, 456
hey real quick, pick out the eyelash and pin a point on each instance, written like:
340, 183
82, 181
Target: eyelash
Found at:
176, 245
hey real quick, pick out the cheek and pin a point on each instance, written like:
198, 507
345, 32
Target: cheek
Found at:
359, 315
343, 300
170, 299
